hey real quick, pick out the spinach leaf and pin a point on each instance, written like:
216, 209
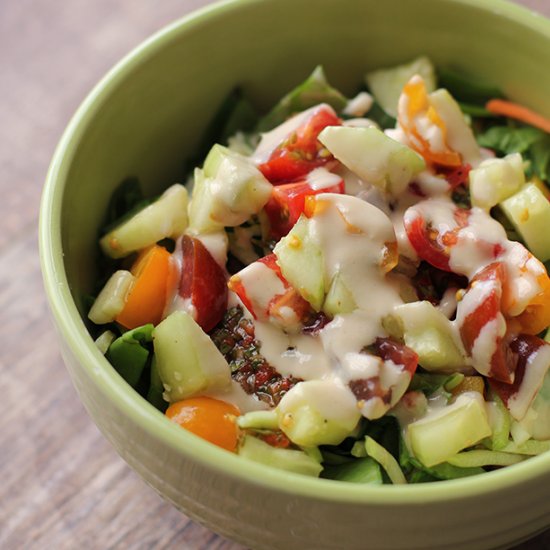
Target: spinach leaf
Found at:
532, 143
361, 470
235, 113
315, 89
466, 88
378, 115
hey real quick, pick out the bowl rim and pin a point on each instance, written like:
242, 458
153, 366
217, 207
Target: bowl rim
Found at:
72, 329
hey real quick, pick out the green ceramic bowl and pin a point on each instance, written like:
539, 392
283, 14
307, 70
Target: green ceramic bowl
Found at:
143, 119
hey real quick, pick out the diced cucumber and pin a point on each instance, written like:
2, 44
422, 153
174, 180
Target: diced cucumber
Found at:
110, 301
314, 90
495, 180
128, 355
284, 459
301, 261
339, 299
459, 135
529, 212
188, 361
363, 470
373, 156
387, 84
104, 340
318, 412
259, 420
166, 217
431, 335
227, 192
442, 434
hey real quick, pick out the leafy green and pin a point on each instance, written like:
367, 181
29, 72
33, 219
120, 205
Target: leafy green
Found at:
386, 460
429, 383
126, 200
466, 88
129, 353
235, 113
361, 470
532, 143
475, 110
378, 115
156, 389
315, 89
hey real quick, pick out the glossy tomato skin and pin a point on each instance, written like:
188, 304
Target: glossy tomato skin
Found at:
489, 309
209, 418
389, 349
521, 350
301, 151
287, 203
203, 282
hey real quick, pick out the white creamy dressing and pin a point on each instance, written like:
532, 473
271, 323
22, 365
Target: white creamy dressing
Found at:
359, 105
432, 133
216, 243
320, 178
262, 284
235, 395
352, 235
481, 242
272, 139
533, 379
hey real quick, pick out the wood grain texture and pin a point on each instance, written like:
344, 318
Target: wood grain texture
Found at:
62, 485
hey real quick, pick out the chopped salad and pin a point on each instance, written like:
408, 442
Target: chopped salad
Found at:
347, 288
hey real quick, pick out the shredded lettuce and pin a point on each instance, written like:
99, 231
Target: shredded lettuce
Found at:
386, 460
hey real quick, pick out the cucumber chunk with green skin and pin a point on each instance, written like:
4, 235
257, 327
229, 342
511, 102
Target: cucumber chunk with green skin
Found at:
495, 180
442, 434
373, 156
110, 301
362, 470
529, 212
228, 191
314, 90
284, 459
430, 334
188, 361
338, 299
128, 355
459, 135
301, 260
258, 420
387, 84
166, 217
104, 340
308, 421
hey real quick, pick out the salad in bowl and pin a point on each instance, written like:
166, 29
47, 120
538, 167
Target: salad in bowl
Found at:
347, 288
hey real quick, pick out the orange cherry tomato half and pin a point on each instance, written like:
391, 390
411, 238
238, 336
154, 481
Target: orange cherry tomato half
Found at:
209, 418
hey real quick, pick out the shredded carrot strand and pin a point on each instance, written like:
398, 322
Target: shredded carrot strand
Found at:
518, 112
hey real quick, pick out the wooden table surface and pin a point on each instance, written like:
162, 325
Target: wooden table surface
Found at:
61, 484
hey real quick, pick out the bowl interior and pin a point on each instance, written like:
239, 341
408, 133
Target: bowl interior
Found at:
147, 116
